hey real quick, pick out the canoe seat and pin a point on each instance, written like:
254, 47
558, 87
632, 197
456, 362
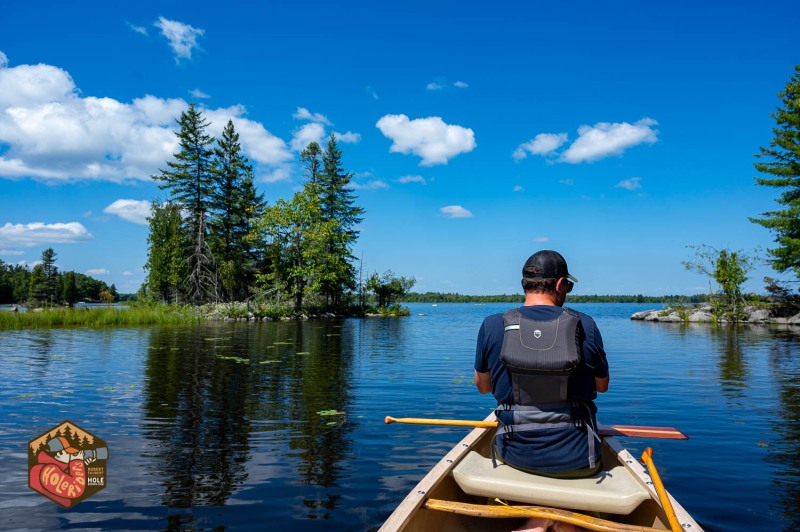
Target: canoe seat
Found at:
614, 491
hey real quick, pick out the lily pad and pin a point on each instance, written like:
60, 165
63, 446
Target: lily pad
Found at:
238, 360
330, 413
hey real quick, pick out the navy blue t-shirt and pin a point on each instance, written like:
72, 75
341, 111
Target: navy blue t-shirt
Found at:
547, 450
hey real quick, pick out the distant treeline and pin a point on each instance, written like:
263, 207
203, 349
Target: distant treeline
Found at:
437, 297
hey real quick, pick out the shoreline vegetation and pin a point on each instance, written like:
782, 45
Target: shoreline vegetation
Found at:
133, 313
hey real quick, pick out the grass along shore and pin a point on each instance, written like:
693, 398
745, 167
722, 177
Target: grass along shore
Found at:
135, 315
97, 317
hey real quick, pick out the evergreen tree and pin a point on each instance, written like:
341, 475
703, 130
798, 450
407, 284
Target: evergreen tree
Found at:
190, 181
44, 281
311, 160
781, 160
337, 203
235, 203
166, 266
6, 283
70, 293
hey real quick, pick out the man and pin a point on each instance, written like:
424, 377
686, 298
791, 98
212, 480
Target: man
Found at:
544, 364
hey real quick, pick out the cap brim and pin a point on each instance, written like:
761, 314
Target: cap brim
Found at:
572, 278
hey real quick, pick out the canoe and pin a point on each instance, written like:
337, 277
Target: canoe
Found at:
461, 492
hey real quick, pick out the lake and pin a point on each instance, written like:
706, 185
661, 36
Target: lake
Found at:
279, 425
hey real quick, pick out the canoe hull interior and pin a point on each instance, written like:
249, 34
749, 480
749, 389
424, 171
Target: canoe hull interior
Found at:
440, 484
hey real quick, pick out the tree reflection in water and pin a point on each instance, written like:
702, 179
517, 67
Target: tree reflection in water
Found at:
785, 367
208, 385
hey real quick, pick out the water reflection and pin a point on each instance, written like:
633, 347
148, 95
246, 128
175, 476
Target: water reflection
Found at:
733, 367
211, 389
785, 455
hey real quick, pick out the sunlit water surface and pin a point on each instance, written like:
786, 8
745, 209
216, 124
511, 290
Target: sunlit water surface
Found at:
280, 425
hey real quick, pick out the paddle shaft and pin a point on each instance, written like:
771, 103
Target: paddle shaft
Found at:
556, 514
647, 458
664, 433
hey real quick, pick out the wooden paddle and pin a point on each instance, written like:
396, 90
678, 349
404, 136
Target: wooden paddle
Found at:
647, 458
663, 433
556, 514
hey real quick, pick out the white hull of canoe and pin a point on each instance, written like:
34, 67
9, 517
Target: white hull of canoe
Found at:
439, 484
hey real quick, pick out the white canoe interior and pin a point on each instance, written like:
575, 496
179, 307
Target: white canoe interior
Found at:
614, 491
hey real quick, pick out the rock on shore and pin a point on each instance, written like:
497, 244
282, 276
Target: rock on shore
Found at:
703, 314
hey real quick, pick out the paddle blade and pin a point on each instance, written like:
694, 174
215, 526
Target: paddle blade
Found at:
638, 431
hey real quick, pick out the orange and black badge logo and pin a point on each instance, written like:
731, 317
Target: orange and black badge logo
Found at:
67, 464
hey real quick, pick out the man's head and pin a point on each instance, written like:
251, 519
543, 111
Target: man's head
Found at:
546, 272
60, 449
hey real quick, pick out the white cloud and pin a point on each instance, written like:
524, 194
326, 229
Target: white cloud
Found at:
455, 211
442, 84
349, 137
38, 233
305, 135
281, 173
3, 60
605, 139
371, 92
568, 182
138, 29
200, 95
127, 273
182, 37
412, 179
304, 114
541, 239
51, 132
519, 188
10, 252
371, 185
634, 183
97, 271
541, 144
135, 211
430, 138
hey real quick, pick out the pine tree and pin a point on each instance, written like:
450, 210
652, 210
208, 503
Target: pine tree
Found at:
166, 265
235, 203
782, 161
70, 293
44, 280
337, 203
310, 159
190, 182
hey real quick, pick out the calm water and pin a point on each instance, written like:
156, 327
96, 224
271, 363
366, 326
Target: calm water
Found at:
223, 425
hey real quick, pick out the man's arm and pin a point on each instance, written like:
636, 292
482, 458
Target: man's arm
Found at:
483, 381
601, 385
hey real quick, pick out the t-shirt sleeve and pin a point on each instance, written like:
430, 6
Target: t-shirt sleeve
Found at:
594, 350
481, 353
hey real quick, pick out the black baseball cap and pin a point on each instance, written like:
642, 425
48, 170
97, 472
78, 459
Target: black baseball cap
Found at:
547, 264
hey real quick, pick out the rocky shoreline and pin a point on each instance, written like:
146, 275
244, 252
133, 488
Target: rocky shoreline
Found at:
703, 314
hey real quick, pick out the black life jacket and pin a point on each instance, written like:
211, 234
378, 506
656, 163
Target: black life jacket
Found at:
540, 356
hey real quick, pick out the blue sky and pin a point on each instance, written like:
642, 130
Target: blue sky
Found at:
618, 133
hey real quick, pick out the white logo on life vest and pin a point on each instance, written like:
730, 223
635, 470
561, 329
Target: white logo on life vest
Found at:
537, 333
